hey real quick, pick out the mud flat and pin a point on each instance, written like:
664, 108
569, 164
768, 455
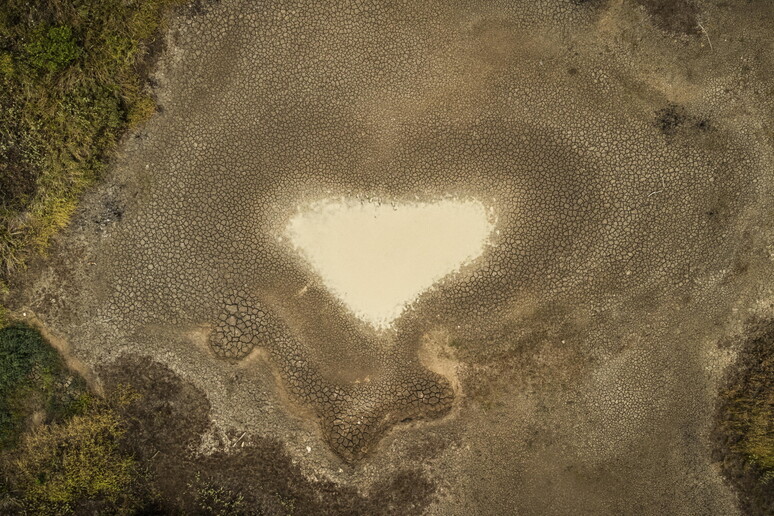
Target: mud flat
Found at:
571, 367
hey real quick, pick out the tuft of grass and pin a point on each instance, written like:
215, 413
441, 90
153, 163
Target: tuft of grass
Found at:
141, 111
52, 49
72, 82
214, 499
6, 64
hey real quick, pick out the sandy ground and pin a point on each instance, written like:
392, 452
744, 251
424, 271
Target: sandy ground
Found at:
574, 370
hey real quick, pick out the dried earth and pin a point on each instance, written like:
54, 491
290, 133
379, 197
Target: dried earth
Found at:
574, 369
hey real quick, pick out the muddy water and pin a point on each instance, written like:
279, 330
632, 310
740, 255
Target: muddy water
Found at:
378, 258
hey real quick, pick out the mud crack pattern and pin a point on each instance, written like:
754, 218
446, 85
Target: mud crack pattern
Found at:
353, 415
574, 367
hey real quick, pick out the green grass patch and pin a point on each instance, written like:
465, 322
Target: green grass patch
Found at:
51, 49
71, 83
34, 384
60, 446
64, 467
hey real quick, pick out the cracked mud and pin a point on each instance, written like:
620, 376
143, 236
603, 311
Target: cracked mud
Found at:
574, 368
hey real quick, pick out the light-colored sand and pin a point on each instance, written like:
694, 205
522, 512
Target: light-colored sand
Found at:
378, 258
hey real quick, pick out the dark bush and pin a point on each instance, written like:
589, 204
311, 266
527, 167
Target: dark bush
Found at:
25, 359
34, 381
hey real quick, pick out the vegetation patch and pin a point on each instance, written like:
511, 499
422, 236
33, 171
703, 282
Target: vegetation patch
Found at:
745, 422
76, 466
35, 386
58, 443
72, 81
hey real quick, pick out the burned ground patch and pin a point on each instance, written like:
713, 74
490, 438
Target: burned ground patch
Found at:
670, 118
675, 118
677, 16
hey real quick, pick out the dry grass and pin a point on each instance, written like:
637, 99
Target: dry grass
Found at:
71, 84
745, 424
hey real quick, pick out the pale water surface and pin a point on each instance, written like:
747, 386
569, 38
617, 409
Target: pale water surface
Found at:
378, 258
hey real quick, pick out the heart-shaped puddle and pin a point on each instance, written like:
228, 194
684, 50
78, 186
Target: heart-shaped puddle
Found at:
378, 258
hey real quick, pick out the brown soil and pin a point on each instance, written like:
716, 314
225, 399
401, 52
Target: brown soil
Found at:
166, 426
573, 369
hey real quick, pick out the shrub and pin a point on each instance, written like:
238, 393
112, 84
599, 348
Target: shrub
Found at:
25, 358
33, 379
62, 467
52, 49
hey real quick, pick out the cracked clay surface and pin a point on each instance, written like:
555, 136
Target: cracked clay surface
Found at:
573, 369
